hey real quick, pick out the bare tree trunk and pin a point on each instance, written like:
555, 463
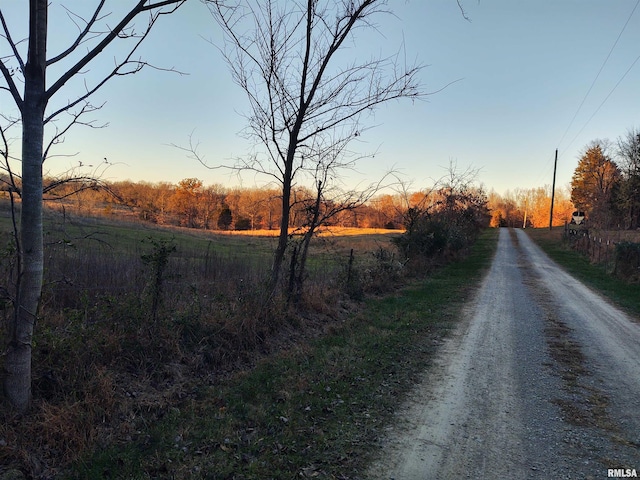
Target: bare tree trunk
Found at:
17, 382
314, 223
283, 239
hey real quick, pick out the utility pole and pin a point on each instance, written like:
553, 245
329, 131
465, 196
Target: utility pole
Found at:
553, 190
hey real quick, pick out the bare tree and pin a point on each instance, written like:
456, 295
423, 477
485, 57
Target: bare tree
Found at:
305, 95
35, 113
628, 152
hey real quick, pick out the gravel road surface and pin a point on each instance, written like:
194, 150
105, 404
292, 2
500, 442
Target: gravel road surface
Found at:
540, 380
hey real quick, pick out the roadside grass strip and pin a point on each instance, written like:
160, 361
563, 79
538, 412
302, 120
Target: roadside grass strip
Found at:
316, 410
624, 294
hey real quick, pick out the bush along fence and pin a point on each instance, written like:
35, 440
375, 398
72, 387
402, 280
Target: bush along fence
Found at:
620, 258
628, 261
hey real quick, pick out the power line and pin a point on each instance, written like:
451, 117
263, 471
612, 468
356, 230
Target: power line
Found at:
545, 170
598, 75
604, 101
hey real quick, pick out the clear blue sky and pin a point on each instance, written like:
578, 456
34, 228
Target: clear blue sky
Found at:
523, 68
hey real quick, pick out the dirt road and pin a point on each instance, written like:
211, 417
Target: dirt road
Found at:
540, 380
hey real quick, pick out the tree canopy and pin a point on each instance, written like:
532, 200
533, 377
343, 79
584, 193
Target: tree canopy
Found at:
594, 182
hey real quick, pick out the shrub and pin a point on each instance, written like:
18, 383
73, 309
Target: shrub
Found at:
158, 260
627, 261
243, 223
428, 238
379, 272
444, 223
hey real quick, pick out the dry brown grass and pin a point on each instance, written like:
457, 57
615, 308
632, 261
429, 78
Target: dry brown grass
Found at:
325, 232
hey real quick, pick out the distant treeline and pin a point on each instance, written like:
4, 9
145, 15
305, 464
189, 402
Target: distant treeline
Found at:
190, 203
530, 207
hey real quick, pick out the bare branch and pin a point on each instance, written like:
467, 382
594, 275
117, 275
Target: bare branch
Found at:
79, 180
81, 36
81, 183
112, 35
12, 44
463, 12
58, 137
165, 3
252, 164
11, 86
4, 152
136, 66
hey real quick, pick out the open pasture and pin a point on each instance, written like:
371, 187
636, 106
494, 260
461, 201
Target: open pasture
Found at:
87, 257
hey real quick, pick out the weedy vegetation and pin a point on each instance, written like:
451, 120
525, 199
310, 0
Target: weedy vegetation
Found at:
314, 410
162, 353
